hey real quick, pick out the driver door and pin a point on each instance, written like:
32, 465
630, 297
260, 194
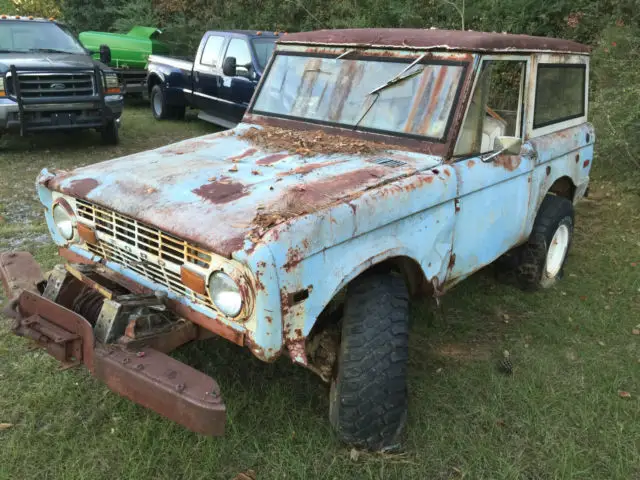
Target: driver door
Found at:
236, 91
493, 192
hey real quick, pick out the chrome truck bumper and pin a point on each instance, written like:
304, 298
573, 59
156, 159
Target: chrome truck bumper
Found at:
134, 365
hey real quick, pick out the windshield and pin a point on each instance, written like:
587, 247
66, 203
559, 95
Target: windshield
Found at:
368, 94
264, 48
22, 37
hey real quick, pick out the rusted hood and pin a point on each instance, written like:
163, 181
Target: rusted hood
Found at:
222, 190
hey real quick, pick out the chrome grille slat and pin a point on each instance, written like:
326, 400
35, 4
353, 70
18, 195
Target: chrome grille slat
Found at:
145, 239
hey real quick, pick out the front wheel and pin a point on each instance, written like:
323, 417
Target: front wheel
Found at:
544, 255
110, 133
368, 399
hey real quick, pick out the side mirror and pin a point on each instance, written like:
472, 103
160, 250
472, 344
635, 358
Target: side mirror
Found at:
105, 54
229, 67
510, 145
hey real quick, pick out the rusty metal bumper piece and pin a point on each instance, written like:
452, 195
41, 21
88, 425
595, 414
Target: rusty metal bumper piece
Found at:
144, 375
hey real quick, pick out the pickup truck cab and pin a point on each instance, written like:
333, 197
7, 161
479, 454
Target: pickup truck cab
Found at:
373, 167
49, 82
219, 81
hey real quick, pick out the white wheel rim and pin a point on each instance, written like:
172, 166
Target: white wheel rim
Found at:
557, 251
157, 104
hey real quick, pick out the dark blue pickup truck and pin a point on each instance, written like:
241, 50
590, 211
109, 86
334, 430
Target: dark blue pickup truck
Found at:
220, 81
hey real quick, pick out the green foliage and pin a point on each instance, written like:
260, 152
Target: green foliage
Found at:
615, 109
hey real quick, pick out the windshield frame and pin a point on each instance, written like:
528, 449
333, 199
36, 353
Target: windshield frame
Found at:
63, 28
428, 59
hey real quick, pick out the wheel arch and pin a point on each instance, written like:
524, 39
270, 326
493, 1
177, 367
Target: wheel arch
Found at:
154, 79
400, 263
563, 186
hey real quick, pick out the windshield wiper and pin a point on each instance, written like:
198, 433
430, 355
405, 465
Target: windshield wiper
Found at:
48, 50
399, 77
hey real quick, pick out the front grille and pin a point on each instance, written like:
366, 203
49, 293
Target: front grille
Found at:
36, 85
154, 254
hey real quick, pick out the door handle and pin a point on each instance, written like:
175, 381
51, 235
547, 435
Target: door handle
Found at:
196, 76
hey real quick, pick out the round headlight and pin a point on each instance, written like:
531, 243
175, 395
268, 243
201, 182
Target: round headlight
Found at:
63, 221
225, 294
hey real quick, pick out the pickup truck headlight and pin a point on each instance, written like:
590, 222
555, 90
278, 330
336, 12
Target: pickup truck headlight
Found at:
3, 93
111, 83
65, 220
225, 294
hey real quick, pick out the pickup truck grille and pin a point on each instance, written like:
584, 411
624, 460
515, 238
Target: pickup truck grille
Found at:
35, 85
146, 250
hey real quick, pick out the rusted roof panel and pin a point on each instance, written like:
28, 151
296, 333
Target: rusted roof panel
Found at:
434, 39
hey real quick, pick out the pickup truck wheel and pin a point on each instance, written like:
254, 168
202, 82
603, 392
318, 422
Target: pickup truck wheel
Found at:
159, 106
544, 255
110, 133
368, 399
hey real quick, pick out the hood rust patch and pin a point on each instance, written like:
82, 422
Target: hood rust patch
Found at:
81, 187
310, 197
245, 154
270, 159
309, 167
221, 191
307, 143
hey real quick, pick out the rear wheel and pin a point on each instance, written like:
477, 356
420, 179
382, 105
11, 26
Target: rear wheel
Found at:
368, 400
543, 257
158, 103
159, 107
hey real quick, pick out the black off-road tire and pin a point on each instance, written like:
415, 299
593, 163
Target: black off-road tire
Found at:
531, 272
368, 399
110, 133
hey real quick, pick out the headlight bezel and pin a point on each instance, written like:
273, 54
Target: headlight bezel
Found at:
63, 206
3, 86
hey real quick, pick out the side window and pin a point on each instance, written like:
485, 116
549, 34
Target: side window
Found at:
496, 107
239, 49
211, 51
560, 94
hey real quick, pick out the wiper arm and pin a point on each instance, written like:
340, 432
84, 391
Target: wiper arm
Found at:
399, 77
47, 50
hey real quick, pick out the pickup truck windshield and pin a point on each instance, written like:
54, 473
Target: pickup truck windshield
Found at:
368, 94
264, 48
38, 37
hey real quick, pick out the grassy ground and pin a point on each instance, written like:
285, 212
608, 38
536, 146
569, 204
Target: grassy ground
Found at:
559, 416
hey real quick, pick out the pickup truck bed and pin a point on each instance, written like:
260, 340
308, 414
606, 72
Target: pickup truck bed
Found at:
219, 81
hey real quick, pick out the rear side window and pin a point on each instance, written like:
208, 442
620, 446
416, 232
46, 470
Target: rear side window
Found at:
560, 94
211, 52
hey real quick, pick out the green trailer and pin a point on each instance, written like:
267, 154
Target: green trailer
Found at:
129, 53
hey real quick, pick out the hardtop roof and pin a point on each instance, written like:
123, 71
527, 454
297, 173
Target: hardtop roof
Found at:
434, 39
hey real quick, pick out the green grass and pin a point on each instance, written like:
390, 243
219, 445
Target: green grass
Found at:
559, 415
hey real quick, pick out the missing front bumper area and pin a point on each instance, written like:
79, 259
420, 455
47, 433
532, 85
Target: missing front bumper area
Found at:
137, 332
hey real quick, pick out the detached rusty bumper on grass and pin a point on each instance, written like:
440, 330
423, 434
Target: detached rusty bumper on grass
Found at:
129, 366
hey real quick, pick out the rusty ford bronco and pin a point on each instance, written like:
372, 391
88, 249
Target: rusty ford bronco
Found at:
372, 166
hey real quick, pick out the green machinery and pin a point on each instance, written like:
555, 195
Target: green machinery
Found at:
129, 53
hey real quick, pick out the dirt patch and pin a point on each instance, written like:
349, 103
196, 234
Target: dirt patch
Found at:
308, 142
